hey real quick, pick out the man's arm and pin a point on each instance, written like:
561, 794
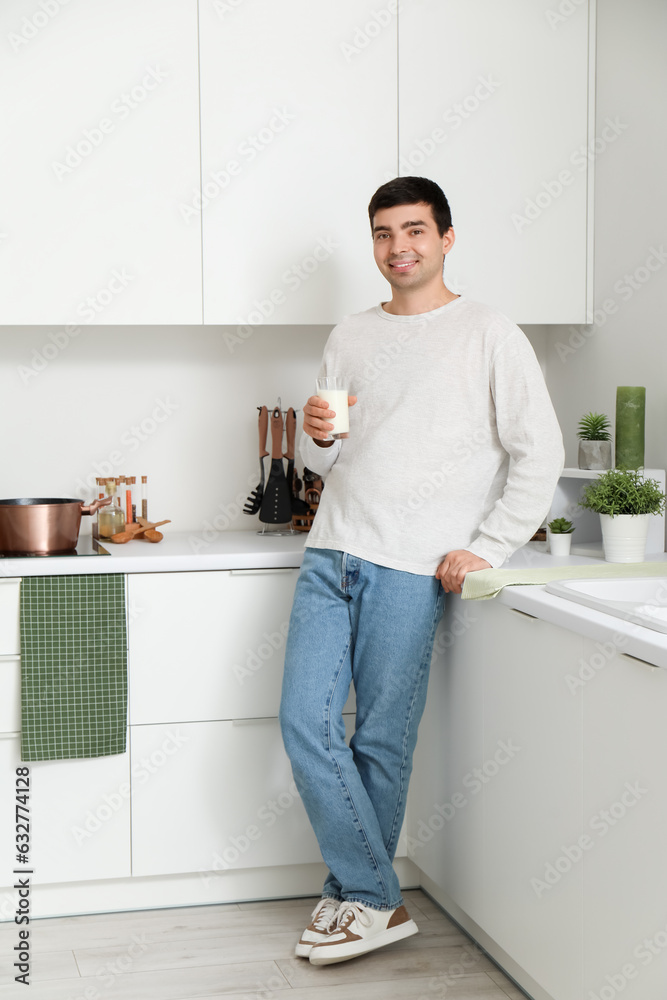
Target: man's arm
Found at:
529, 432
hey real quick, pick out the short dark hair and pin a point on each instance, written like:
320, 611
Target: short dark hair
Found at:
410, 191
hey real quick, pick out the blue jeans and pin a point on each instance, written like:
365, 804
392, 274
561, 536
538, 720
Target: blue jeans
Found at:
355, 621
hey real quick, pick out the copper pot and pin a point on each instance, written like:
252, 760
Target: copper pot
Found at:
42, 527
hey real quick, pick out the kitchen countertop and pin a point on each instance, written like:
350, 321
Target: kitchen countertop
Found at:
177, 552
246, 550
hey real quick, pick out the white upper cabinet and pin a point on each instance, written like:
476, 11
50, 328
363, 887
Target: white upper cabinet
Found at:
298, 108
169, 162
494, 105
99, 103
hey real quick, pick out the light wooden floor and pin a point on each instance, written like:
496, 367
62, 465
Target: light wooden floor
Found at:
241, 951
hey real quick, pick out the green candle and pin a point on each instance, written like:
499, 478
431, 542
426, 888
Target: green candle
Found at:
630, 414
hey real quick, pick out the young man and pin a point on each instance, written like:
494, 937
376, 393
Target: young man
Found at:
450, 465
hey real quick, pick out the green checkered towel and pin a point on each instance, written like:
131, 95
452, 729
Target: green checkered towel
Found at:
73, 666
486, 583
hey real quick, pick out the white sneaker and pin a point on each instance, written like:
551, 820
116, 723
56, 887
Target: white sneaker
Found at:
322, 918
359, 929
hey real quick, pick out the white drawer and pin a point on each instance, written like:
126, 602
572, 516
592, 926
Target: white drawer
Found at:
9, 616
10, 694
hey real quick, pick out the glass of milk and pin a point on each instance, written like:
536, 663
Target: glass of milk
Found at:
333, 388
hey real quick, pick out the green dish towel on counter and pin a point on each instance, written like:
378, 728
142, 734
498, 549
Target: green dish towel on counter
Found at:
73, 666
486, 583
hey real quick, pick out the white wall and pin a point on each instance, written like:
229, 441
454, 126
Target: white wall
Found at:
177, 404
628, 343
92, 409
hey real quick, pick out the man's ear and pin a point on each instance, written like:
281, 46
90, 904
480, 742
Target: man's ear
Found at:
448, 240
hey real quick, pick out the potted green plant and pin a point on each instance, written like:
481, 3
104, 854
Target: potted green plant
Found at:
625, 501
560, 536
595, 441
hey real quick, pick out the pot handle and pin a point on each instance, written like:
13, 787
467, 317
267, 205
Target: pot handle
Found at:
90, 508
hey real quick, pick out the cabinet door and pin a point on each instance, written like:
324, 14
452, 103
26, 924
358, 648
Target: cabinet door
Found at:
10, 644
208, 645
532, 777
298, 111
79, 815
445, 814
494, 106
10, 694
100, 111
211, 796
625, 814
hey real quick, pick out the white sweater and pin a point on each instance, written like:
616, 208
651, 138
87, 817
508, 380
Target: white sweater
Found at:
454, 443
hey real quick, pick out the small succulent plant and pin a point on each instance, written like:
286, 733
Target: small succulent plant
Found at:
594, 427
561, 526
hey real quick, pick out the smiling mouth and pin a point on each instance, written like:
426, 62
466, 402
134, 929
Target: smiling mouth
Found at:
402, 265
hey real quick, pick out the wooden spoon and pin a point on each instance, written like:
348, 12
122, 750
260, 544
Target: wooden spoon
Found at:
136, 531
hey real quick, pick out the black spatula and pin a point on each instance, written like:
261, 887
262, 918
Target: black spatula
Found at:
276, 506
254, 501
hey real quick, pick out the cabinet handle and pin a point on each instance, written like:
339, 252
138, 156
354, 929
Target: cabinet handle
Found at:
10, 579
10, 658
638, 659
263, 572
10, 736
254, 722
523, 614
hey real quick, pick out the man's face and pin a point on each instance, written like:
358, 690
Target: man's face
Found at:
407, 246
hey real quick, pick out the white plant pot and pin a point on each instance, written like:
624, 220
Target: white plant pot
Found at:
559, 544
624, 537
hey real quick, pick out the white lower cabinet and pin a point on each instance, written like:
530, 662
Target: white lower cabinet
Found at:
212, 787
10, 589
445, 817
213, 796
625, 815
559, 855
532, 797
208, 645
79, 815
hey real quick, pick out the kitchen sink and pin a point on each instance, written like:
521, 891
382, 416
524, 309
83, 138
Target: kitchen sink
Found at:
638, 599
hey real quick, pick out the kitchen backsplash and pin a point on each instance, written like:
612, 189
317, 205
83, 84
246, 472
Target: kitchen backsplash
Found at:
177, 404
